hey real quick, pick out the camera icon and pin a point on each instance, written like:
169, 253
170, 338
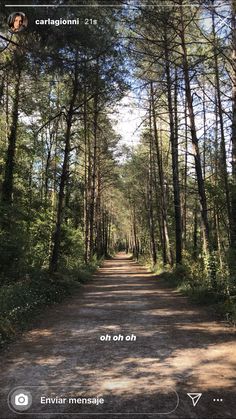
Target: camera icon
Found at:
21, 399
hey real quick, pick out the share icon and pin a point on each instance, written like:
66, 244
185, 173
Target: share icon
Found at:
195, 397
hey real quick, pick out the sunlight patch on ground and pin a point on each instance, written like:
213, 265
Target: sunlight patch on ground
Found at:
40, 333
215, 327
53, 360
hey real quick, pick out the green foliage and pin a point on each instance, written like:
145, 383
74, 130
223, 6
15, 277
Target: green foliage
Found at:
13, 241
228, 309
194, 280
72, 248
100, 196
231, 259
38, 248
173, 277
24, 241
22, 300
86, 270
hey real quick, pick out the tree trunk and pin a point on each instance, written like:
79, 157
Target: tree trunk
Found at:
86, 153
166, 244
195, 146
223, 158
136, 248
233, 193
173, 123
150, 196
63, 180
185, 174
7, 187
94, 168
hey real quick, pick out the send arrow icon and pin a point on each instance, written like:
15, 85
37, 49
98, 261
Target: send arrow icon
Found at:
195, 397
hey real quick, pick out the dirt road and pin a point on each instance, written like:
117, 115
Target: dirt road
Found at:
163, 345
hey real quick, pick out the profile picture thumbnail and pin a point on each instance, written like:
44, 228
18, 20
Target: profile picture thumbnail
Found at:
17, 22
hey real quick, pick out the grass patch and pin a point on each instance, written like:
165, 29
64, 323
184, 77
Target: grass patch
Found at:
171, 281
21, 301
199, 290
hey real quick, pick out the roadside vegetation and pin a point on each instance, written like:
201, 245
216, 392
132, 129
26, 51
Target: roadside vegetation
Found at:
71, 193
23, 301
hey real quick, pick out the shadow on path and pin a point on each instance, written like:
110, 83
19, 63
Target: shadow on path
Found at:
177, 346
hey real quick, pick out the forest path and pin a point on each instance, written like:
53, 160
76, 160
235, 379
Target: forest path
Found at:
177, 345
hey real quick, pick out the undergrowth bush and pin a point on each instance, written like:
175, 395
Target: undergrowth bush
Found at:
22, 300
206, 282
